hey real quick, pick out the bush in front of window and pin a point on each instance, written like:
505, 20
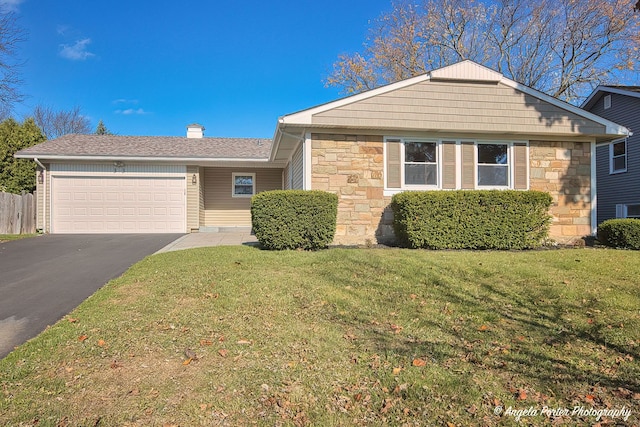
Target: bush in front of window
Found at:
471, 219
620, 233
294, 219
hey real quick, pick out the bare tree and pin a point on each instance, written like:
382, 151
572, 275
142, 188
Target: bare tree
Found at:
561, 47
11, 35
57, 123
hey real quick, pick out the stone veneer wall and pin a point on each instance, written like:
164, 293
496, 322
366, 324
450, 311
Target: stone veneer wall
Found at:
352, 167
563, 169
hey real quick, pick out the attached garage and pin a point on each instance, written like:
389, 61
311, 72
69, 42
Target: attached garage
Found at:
105, 199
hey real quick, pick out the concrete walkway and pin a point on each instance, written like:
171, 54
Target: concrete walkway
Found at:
206, 239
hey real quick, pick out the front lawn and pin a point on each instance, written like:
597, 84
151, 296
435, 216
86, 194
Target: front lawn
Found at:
239, 336
9, 237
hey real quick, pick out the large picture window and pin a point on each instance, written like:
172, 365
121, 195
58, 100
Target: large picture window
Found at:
244, 184
420, 163
493, 165
618, 156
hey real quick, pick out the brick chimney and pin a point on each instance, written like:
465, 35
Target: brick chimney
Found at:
195, 131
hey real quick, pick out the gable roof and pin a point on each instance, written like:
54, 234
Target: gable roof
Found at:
145, 148
435, 101
632, 91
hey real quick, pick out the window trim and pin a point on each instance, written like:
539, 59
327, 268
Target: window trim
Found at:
622, 210
458, 140
233, 184
613, 171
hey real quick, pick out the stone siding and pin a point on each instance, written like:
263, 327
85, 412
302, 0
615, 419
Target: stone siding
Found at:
563, 169
351, 166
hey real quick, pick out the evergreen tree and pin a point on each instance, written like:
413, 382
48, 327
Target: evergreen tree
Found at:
101, 129
17, 175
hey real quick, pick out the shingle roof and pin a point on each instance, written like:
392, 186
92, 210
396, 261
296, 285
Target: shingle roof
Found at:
629, 88
151, 146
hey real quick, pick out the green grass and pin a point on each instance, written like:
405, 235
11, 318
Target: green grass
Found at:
9, 237
333, 337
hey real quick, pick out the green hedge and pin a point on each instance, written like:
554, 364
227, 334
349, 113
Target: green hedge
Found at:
620, 233
294, 219
491, 219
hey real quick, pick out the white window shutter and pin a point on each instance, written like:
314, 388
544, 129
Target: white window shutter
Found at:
621, 211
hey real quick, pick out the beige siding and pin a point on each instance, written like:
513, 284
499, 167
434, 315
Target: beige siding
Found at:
39, 201
201, 210
193, 198
223, 210
286, 180
459, 107
297, 169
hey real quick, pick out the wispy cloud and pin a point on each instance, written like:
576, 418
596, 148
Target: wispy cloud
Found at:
120, 101
130, 111
10, 5
77, 51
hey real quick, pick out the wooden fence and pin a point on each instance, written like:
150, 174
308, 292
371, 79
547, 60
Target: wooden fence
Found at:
17, 213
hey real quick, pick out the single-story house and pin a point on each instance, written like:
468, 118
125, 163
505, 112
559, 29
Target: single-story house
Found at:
617, 161
459, 127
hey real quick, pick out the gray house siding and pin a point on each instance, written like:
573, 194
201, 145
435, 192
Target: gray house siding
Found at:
619, 188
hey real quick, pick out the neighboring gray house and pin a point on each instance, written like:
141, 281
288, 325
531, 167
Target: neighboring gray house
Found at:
618, 161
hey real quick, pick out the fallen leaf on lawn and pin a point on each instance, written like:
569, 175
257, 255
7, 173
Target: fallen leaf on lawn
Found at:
223, 352
115, 365
396, 328
357, 397
590, 321
243, 342
589, 398
419, 362
203, 406
522, 395
483, 328
101, 343
396, 371
205, 342
72, 320
388, 403
82, 338
135, 392
450, 424
413, 296
186, 362
472, 409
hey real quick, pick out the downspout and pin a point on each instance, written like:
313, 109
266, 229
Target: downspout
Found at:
44, 195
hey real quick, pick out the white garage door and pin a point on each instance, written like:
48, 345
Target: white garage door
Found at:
82, 204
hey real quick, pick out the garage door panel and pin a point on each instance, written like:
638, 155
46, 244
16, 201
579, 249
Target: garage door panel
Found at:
118, 204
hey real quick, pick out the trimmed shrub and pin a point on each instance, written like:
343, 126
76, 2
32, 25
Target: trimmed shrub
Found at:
471, 219
620, 233
294, 219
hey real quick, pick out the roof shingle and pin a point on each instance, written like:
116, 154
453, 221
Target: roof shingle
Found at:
151, 146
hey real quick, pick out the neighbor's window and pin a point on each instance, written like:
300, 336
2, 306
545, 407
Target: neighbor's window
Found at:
244, 184
633, 211
420, 163
618, 152
493, 165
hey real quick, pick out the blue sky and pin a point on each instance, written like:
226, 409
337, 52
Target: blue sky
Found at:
152, 67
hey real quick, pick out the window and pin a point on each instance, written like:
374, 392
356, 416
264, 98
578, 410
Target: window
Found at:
493, 165
244, 184
420, 163
618, 156
633, 211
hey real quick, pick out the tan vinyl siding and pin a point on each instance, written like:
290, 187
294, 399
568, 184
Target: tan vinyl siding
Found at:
223, 210
193, 199
286, 180
394, 164
297, 169
468, 166
459, 107
520, 162
448, 165
201, 196
39, 201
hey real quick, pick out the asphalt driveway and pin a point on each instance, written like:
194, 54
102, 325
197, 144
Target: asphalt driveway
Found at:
45, 277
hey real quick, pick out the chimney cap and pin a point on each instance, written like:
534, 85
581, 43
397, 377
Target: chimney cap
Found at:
195, 125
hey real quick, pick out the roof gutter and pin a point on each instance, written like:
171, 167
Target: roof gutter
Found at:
139, 159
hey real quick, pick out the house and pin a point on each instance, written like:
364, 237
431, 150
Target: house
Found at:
459, 127
617, 161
